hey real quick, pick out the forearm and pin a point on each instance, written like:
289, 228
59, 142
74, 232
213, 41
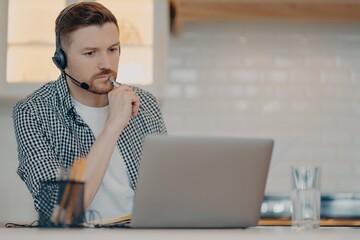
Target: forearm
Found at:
123, 103
97, 162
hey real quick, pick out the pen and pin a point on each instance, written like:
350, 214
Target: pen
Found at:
70, 215
113, 82
61, 209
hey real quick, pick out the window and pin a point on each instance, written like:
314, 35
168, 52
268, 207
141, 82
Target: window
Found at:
29, 42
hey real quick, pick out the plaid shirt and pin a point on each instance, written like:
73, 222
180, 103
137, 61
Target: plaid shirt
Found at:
50, 135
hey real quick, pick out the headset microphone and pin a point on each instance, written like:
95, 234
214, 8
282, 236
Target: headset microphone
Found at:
83, 85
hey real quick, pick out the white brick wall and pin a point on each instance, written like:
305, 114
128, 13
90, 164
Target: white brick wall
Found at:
280, 80
253, 79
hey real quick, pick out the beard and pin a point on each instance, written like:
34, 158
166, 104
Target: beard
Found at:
100, 90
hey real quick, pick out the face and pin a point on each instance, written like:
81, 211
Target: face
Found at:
93, 56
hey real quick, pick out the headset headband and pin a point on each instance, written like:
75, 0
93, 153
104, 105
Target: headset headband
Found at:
58, 46
59, 57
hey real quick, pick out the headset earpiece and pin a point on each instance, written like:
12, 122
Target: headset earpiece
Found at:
59, 59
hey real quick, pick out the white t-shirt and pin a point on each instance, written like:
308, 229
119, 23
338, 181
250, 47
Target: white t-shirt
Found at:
115, 195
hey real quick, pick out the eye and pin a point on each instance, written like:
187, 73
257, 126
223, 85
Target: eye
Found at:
90, 53
114, 49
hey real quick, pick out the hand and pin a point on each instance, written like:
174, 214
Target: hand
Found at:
123, 103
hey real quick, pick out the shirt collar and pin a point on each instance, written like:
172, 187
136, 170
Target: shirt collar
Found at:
62, 88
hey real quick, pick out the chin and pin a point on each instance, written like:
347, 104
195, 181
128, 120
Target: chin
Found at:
100, 91
101, 88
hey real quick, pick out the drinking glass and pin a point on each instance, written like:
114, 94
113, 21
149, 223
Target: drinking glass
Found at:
305, 197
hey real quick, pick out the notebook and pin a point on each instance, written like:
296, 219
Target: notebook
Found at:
201, 182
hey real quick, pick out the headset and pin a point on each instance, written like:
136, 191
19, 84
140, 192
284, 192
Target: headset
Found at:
59, 57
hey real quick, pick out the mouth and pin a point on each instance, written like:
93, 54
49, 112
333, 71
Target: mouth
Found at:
103, 77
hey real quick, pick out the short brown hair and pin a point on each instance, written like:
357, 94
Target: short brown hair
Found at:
81, 15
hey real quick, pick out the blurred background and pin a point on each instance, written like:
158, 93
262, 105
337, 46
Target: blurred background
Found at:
284, 69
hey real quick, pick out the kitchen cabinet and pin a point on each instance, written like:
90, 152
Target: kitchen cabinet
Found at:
278, 10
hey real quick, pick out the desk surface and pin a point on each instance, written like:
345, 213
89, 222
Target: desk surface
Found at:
278, 233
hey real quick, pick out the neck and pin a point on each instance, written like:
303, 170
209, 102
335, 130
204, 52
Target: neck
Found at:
85, 97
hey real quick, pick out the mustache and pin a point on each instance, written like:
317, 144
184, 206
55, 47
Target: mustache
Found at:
104, 72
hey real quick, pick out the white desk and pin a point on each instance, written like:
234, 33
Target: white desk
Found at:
263, 233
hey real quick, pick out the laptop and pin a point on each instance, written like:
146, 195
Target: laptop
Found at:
201, 182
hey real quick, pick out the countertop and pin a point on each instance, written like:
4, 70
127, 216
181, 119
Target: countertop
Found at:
323, 222
278, 233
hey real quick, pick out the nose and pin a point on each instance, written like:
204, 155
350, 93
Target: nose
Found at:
104, 61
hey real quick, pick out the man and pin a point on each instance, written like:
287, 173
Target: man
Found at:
82, 114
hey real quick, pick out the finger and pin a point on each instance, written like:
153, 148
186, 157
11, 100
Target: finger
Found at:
135, 106
122, 88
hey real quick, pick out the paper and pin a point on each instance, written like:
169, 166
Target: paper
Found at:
121, 220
